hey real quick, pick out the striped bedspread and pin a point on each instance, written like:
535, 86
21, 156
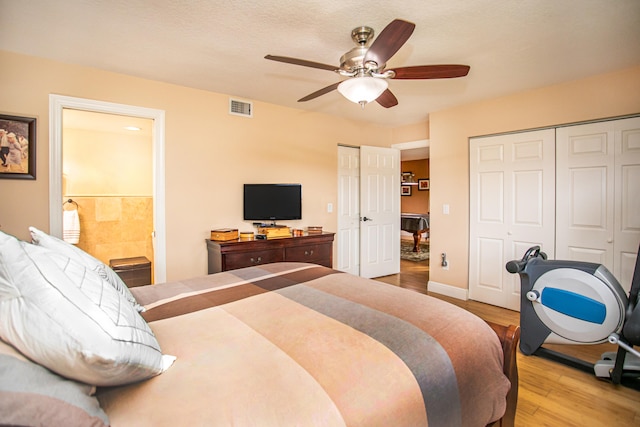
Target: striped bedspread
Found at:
293, 344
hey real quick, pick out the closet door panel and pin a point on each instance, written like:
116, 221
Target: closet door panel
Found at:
585, 193
627, 220
511, 209
598, 194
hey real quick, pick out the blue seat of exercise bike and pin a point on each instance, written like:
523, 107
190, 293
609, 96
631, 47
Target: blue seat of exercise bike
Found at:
575, 305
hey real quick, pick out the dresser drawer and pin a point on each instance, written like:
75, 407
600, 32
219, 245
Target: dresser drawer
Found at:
319, 254
247, 259
233, 254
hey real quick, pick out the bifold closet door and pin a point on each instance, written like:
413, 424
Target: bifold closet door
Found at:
598, 195
511, 209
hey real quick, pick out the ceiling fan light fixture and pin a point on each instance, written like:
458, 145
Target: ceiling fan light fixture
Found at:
362, 90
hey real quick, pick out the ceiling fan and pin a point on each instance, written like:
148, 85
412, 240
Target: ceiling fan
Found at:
365, 66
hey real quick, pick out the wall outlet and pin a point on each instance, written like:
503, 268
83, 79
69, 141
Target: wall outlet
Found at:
329, 207
444, 263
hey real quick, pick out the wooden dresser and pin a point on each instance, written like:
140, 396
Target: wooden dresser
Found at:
233, 254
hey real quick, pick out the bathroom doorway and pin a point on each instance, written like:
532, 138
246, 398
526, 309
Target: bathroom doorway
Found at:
114, 176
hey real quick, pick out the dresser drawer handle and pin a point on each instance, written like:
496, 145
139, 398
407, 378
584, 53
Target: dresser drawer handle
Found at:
253, 260
308, 252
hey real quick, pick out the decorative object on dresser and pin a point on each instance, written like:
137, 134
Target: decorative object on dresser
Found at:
314, 229
231, 255
246, 235
275, 232
224, 234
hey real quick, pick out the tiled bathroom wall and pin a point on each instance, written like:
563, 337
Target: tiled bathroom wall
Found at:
115, 227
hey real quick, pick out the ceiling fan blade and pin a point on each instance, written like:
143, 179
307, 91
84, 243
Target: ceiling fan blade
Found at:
389, 41
319, 92
431, 72
296, 61
387, 99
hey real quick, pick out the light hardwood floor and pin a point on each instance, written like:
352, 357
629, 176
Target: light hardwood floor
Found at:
550, 393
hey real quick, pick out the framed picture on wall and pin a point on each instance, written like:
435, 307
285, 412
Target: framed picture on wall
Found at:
405, 190
17, 147
423, 184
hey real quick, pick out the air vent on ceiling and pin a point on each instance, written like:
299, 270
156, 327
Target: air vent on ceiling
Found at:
240, 108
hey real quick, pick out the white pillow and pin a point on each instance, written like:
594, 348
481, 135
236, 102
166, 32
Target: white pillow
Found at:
66, 317
43, 239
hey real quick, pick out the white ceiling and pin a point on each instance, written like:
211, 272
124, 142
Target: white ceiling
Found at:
220, 46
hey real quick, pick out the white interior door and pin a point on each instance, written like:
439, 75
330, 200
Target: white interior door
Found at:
379, 211
511, 209
348, 210
598, 192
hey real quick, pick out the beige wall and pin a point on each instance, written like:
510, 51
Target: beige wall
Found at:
602, 96
410, 133
209, 153
106, 163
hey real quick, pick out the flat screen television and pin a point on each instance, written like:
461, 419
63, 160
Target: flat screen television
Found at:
272, 202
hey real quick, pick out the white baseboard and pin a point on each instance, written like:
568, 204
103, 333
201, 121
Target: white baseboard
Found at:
448, 290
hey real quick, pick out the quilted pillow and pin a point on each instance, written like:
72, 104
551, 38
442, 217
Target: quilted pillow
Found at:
67, 318
32, 395
43, 239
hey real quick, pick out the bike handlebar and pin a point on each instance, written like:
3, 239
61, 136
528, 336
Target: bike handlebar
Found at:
516, 266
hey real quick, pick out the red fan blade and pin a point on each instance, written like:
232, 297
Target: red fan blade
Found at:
431, 72
319, 92
296, 61
387, 99
389, 41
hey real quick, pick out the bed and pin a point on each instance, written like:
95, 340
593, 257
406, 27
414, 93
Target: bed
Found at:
300, 344
415, 224
273, 345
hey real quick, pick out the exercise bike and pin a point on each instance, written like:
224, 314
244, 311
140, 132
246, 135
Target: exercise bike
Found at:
572, 302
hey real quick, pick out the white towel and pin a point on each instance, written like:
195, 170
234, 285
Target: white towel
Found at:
71, 226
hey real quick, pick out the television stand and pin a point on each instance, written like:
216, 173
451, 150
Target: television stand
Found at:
233, 254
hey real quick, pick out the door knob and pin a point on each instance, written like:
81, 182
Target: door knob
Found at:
366, 219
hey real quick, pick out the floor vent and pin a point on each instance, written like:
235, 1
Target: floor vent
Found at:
240, 108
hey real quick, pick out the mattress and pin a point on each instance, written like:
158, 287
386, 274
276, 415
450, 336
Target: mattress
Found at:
300, 344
